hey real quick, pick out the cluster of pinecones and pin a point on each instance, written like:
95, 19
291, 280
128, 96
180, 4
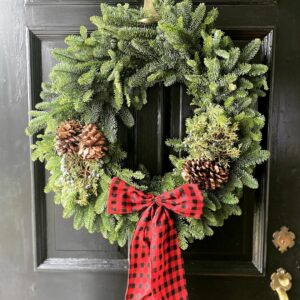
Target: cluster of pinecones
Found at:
86, 141
208, 174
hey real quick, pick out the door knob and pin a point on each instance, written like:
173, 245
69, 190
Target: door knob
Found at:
281, 282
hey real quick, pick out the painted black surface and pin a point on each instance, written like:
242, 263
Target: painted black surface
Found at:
42, 258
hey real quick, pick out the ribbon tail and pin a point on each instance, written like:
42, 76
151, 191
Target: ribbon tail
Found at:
167, 269
139, 273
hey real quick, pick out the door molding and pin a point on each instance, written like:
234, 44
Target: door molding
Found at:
96, 2
255, 267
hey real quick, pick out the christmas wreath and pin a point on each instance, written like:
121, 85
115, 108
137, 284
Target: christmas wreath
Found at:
104, 75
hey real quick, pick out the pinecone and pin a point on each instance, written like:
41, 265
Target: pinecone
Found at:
208, 174
92, 144
68, 137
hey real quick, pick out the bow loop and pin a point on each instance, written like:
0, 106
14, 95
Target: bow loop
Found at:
126, 199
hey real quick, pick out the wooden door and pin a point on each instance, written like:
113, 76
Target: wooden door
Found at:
42, 257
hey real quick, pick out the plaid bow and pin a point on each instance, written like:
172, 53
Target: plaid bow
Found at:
156, 270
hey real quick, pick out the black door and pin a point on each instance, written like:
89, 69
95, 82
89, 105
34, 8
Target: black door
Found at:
42, 257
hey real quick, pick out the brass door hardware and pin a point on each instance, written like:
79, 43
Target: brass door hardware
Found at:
284, 239
150, 13
281, 282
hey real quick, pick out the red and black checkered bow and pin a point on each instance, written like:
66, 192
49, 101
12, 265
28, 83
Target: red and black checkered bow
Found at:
156, 270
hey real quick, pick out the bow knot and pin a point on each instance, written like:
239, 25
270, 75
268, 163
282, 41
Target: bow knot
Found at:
156, 266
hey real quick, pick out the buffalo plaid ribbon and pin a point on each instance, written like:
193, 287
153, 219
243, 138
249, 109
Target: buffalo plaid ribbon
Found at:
156, 270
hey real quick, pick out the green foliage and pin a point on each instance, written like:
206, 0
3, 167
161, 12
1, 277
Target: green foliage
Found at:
250, 50
211, 135
126, 116
103, 76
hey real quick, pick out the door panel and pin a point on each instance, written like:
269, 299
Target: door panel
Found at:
42, 257
163, 117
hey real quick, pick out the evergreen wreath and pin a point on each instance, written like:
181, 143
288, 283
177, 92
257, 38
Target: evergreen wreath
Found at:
102, 74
